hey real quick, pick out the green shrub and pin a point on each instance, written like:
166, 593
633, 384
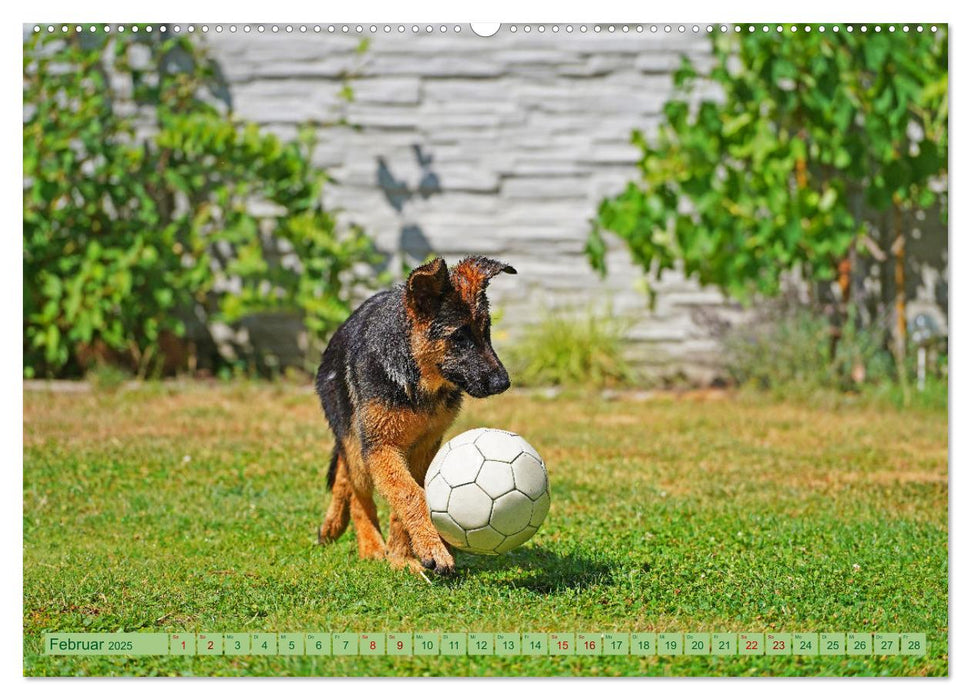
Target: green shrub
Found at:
739, 186
570, 351
799, 348
146, 206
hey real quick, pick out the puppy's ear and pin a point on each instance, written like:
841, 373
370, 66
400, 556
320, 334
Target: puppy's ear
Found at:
471, 276
426, 287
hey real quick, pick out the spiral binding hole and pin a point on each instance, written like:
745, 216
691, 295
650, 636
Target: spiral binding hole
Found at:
512, 28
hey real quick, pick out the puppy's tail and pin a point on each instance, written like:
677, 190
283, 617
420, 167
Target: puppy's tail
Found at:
332, 470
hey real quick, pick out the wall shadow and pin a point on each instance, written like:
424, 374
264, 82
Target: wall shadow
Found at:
413, 245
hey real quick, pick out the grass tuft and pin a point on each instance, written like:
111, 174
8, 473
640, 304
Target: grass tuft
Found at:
561, 350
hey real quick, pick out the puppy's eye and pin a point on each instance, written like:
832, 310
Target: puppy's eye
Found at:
462, 336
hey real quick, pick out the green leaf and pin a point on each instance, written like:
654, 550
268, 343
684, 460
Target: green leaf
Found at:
126, 231
764, 171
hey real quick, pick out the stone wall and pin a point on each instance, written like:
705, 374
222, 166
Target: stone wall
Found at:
501, 146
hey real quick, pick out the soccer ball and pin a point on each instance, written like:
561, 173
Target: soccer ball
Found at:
487, 491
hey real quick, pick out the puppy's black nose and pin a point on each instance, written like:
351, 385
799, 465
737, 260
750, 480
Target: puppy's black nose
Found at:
498, 382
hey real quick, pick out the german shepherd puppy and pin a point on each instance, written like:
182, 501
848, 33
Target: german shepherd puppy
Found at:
391, 382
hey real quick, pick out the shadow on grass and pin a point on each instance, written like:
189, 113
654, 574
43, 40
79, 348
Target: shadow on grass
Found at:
536, 569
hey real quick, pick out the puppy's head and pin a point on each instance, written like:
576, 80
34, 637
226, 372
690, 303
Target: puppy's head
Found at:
451, 328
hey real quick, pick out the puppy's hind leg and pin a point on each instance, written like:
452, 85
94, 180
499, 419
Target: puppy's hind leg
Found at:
399, 546
370, 543
339, 511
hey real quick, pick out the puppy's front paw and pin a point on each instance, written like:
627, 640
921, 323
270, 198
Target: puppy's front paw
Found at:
438, 559
407, 563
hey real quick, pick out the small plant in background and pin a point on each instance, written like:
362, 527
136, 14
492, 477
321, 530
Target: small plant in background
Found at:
861, 355
148, 207
571, 351
105, 377
792, 348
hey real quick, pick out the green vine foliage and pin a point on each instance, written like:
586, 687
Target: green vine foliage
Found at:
146, 204
809, 132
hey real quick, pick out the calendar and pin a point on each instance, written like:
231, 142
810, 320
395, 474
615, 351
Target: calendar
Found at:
487, 644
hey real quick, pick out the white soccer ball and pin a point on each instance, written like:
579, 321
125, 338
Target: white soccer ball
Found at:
487, 491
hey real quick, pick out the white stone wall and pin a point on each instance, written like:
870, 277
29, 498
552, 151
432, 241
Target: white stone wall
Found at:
501, 146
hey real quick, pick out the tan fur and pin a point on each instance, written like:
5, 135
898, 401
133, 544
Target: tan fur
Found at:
404, 443
399, 541
370, 543
359, 476
407, 499
428, 356
469, 280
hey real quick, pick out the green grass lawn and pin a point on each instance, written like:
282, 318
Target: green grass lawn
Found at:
194, 508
